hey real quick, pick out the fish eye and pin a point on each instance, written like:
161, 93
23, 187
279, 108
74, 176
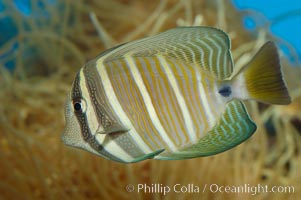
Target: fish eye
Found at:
77, 106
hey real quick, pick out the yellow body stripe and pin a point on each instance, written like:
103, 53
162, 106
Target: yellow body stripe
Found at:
118, 109
163, 98
147, 100
204, 100
128, 94
187, 83
180, 98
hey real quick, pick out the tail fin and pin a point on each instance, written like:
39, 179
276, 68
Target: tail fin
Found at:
263, 77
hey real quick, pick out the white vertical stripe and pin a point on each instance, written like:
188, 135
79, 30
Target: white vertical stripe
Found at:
93, 123
114, 149
90, 113
200, 52
186, 115
210, 52
225, 52
203, 96
148, 102
218, 49
183, 49
109, 91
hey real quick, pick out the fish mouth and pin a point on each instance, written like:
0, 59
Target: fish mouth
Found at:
71, 135
65, 139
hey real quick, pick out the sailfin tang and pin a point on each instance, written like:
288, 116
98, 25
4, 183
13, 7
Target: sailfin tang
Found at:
234, 127
263, 77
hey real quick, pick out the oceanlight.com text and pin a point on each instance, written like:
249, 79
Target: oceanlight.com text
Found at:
213, 188
251, 189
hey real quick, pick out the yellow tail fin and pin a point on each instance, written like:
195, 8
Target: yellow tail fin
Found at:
263, 77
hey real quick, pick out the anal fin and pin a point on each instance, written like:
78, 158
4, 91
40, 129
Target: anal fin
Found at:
234, 127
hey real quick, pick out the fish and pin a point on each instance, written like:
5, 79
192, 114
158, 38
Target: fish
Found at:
172, 96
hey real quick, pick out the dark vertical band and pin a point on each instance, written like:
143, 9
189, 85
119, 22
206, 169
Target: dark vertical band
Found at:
85, 130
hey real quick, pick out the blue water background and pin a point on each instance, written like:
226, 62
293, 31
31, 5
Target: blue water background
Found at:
8, 27
283, 18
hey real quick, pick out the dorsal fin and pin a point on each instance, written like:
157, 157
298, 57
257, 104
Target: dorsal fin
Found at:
206, 47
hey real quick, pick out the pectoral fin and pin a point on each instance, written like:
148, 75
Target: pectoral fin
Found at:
116, 128
148, 156
234, 127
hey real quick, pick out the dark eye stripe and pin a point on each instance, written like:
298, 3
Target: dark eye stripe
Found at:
82, 120
98, 99
76, 92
